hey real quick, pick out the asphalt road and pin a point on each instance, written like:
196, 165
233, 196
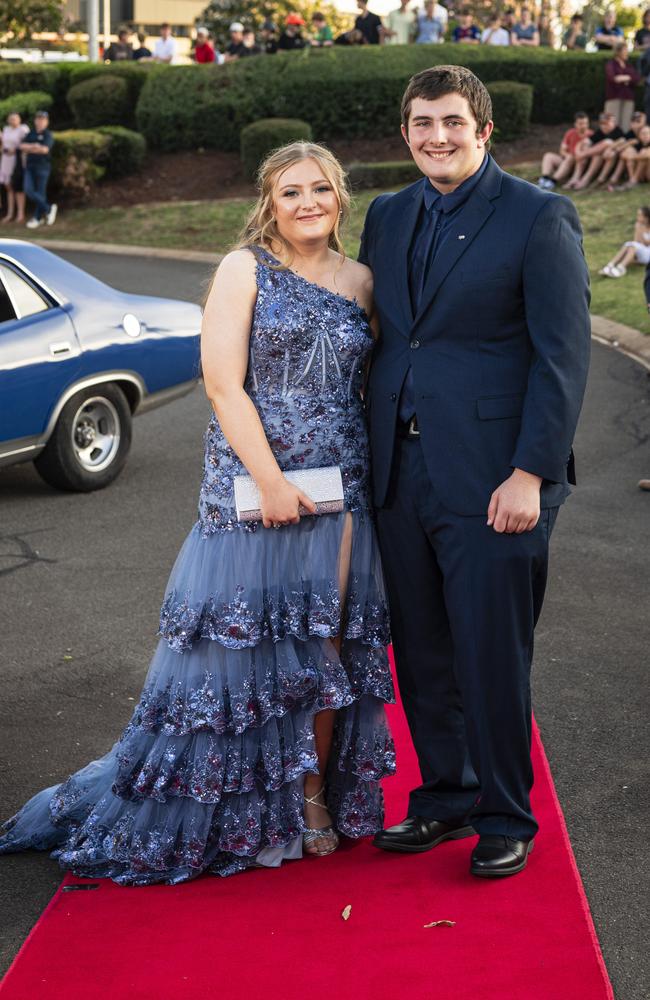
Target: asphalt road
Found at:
82, 576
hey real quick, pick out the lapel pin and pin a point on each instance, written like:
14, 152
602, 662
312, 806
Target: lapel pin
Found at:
461, 237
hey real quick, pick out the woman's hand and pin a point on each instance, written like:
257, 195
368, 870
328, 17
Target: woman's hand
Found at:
280, 503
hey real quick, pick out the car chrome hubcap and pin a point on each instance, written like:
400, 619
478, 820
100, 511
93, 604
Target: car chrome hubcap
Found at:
96, 434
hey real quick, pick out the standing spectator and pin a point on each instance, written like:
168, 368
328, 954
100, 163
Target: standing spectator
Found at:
291, 37
164, 51
203, 50
429, 28
142, 52
546, 35
236, 49
608, 34
509, 19
368, 24
466, 31
635, 251
575, 36
323, 36
121, 50
558, 166
38, 147
621, 80
495, 33
400, 29
269, 33
250, 43
524, 32
642, 37
12, 135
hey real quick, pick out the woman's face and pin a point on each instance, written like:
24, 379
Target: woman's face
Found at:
305, 203
644, 134
13, 120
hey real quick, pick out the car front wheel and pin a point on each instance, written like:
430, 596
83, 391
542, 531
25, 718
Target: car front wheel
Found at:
90, 441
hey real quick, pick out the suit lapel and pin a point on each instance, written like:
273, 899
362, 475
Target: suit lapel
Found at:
405, 228
463, 230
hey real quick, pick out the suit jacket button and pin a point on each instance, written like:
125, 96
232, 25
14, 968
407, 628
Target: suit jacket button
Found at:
393, 396
415, 344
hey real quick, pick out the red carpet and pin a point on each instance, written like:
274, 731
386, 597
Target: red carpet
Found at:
279, 934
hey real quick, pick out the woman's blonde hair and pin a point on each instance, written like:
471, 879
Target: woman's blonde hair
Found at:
260, 228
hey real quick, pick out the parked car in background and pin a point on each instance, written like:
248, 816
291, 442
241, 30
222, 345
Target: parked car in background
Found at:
78, 359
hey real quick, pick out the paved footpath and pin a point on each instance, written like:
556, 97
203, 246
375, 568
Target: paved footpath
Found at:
82, 576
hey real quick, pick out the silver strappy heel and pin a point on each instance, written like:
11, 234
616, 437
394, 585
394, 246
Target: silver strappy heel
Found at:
319, 842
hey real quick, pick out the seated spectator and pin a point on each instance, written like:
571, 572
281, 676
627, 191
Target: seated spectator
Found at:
429, 29
635, 251
575, 36
164, 51
495, 33
121, 50
524, 31
589, 153
291, 38
638, 160
269, 33
203, 51
354, 37
608, 34
642, 37
400, 25
558, 166
142, 52
236, 49
250, 43
466, 31
546, 35
628, 153
323, 36
368, 24
621, 79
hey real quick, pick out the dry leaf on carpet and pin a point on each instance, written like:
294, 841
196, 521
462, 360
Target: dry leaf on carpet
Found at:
346, 912
441, 923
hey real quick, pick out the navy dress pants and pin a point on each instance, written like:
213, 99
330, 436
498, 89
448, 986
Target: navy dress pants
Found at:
35, 188
464, 602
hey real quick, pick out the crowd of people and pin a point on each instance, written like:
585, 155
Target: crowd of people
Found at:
410, 23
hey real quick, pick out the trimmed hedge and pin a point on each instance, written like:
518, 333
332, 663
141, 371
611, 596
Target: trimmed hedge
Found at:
259, 138
360, 90
25, 104
77, 162
511, 107
126, 150
102, 100
391, 173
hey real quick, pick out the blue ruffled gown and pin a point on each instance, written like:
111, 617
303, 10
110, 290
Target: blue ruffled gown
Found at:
208, 774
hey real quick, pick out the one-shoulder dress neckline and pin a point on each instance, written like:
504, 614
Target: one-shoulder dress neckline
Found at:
315, 284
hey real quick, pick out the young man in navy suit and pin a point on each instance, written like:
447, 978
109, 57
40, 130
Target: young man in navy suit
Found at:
474, 393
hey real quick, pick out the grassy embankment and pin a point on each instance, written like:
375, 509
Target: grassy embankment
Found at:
607, 219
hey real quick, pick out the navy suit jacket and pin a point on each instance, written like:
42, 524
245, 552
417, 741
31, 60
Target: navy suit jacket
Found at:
499, 347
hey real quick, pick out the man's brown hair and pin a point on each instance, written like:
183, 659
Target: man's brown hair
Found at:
430, 84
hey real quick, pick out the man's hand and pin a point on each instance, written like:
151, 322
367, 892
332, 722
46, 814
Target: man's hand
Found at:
514, 505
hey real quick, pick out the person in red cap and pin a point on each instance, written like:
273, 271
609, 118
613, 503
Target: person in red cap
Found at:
291, 38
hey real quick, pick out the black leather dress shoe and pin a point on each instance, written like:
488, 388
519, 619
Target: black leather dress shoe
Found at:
496, 856
416, 834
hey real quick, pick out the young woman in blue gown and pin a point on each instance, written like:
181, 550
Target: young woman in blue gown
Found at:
260, 732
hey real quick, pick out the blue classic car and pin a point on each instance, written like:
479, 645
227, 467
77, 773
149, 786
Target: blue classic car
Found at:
78, 360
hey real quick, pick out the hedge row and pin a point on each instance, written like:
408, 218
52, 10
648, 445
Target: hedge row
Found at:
340, 93
260, 137
81, 157
360, 91
26, 104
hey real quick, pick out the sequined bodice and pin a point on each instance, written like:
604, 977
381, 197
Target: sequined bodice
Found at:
307, 351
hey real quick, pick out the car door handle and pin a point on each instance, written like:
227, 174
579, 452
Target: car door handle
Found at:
60, 347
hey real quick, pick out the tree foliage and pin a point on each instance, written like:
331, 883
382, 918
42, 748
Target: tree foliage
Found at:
220, 14
21, 19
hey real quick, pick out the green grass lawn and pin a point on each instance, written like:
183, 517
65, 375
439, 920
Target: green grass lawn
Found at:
607, 219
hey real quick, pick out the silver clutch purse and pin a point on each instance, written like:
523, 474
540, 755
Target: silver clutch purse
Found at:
324, 486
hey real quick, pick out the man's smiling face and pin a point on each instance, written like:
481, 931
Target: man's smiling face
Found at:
444, 140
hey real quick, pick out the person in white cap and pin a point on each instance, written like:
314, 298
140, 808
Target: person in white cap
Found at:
236, 49
203, 50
